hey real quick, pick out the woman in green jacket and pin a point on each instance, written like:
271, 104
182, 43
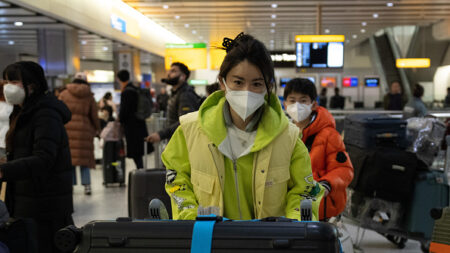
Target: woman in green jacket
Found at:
239, 153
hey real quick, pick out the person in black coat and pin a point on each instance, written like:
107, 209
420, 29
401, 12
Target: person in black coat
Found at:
337, 101
38, 168
134, 128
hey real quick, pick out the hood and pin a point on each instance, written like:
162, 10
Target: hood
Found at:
272, 123
51, 102
323, 120
79, 90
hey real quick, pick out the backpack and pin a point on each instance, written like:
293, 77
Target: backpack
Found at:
144, 104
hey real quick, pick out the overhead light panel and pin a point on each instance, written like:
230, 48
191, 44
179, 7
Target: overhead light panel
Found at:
186, 25
177, 17
375, 15
274, 16
273, 24
83, 42
363, 30
194, 32
272, 30
355, 36
18, 23
364, 23
105, 48
274, 5
389, 4
166, 6
327, 31
11, 42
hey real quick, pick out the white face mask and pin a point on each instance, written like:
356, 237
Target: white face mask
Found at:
299, 112
243, 102
14, 95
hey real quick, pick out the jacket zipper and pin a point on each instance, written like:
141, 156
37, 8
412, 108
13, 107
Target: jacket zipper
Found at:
237, 188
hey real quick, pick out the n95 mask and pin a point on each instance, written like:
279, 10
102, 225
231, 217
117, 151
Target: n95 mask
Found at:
244, 103
299, 112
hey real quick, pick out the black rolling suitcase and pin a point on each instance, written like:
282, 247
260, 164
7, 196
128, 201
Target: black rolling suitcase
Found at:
113, 163
143, 186
371, 130
273, 235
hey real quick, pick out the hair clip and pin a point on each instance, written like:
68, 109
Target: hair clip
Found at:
229, 44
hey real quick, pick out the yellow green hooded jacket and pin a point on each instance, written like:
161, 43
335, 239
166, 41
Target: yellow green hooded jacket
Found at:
270, 181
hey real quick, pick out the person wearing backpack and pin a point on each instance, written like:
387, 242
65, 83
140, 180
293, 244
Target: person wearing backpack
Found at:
183, 100
330, 163
133, 123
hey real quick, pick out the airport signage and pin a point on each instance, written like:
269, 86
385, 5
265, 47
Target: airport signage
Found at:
319, 38
283, 59
118, 23
413, 63
186, 45
198, 82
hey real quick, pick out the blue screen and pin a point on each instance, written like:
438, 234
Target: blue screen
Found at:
372, 82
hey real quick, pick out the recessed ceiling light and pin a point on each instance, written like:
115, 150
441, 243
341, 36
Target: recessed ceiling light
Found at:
194, 32
274, 16
273, 24
274, 5
389, 4
327, 30
347, 41
11, 42
200, 37
363, 30
166, 6
83, 57
83, 42
18, 23
186, 25
177, 17
355, 36
105, 48
272, 30
364, 23
375, 15
272, 41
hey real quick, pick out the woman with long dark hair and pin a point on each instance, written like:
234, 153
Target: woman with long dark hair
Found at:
239, 154
38, 168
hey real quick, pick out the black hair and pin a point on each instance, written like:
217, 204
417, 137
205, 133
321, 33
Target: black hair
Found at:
323, 92
246, 47
107, 95
448, 89
79, 81
336, 90
183, 68
123, 75
418, 91
301, 85
212, 87
31, 75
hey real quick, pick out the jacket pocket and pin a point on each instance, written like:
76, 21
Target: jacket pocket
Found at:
203, 185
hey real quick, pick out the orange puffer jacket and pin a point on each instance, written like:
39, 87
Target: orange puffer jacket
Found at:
329, 161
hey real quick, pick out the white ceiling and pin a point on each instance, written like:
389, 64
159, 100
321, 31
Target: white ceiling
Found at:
212, 20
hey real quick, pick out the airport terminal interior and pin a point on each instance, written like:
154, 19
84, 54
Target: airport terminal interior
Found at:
360, 56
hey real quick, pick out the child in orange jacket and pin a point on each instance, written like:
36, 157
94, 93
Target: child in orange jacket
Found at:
330, 162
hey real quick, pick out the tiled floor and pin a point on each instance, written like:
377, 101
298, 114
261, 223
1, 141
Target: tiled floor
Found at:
110, 203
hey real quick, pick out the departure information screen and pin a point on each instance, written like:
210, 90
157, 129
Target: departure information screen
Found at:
320, 55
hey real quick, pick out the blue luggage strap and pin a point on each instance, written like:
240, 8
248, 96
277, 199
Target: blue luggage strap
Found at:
202, 233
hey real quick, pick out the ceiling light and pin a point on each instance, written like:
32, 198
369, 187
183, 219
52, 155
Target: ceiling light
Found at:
83, 57
11, 42
105, 48
200, 37
273, 24
194, 32
186, 25
364, 23
327, 30
272, 41
83, 42
355, 36
18, 23
347, 41
274, 5
166, 6
177, 17
390, 4
375, 15
274, 16
272, 30
363, 30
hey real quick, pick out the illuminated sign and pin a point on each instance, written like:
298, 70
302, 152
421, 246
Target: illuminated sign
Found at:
372, 81
198, 82
413, 63
350, 82
193, 55
319, 38
283, 57
118, 23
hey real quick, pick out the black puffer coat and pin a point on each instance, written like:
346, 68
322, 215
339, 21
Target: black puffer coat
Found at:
38, 171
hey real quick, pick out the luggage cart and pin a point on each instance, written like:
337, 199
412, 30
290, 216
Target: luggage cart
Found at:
155, 123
